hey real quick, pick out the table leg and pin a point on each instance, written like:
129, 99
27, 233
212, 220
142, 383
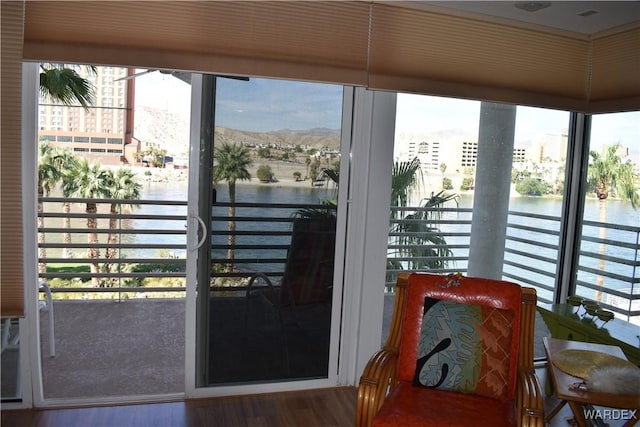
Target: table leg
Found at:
554, 411
578, 413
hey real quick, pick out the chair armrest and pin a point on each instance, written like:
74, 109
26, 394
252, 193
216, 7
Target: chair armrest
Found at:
530, 404
378, 377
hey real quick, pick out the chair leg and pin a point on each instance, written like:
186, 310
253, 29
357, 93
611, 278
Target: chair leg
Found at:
52, 337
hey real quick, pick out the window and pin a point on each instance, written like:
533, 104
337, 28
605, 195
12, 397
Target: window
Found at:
458, 151
608, 270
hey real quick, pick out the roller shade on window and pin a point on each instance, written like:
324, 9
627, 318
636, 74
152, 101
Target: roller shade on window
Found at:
11, 272
427, 52
316, 41
384, 46
616, 72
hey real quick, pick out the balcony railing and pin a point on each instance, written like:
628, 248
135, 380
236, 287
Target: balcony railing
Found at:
608, 269
151, 244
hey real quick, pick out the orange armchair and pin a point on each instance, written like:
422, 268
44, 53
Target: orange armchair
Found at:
459, 352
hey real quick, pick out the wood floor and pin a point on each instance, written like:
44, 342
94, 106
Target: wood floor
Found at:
333, 407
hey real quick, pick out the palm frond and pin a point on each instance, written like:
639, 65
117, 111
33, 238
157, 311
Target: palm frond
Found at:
66, 86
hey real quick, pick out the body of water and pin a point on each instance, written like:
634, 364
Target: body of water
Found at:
617, 212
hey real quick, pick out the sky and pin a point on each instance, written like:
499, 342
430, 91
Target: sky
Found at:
259, 105
270, 105
428, 114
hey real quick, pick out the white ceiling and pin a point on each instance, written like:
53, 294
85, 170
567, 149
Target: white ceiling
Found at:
564, 15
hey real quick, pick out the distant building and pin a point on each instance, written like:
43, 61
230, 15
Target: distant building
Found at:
519, 155
468, 154
102, 132
456, 154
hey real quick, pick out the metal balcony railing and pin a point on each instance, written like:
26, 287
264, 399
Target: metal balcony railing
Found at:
149, 242
608, 269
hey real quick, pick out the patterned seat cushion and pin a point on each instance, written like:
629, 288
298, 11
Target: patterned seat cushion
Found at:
464, 348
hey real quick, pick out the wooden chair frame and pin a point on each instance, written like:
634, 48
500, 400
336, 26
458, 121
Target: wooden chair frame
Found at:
379, 376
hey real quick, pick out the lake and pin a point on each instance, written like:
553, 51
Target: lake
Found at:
617, 213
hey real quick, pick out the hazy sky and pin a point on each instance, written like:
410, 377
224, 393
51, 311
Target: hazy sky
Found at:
427, 114
254, 105
268, 105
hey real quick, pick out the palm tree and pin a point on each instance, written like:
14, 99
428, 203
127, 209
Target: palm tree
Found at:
406, 177
232, 162
443, 169
414, 234
67, 163
121, 185
419, 239
48, 176
307, 162
65, 85
607, 174
90, 181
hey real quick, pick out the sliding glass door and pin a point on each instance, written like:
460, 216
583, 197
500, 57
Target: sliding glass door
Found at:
264, 199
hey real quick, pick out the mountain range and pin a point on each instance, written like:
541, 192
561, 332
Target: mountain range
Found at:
170, 131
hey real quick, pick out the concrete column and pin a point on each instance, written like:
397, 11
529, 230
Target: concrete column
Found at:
491, 195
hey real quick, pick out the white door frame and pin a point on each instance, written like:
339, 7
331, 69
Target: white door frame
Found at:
191, 391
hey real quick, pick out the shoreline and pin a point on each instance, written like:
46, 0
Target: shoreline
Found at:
181, 175
148, 174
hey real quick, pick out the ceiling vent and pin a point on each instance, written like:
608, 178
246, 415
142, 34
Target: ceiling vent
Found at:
533, 6
588, 13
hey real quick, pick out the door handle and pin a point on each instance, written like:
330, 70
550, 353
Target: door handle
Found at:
203, 227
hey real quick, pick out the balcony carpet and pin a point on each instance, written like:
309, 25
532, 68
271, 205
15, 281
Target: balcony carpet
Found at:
107, 348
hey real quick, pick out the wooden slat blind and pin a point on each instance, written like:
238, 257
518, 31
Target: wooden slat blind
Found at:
11, 265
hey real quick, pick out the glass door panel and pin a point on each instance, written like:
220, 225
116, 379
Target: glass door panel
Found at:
607, 271
266, 269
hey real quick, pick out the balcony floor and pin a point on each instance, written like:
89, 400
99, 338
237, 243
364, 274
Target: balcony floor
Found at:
108, 348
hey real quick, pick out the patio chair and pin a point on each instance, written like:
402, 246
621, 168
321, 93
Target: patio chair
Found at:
459, 353
308, 275
11, 341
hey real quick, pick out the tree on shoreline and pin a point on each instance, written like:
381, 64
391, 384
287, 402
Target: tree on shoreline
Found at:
67, 163
59, 84
607, 174
231, 163
122, 185
90, 181
48, 176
